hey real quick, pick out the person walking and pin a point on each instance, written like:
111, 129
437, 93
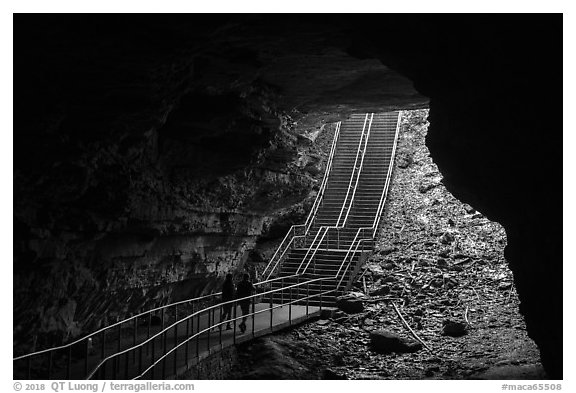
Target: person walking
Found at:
245, 288
227, 296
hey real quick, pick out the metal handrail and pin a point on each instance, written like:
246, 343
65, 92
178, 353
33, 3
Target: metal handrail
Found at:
313, 211
378, 216
324, 183
43, 351
119, 323
355, 162
356, 170
197, 313
253, 313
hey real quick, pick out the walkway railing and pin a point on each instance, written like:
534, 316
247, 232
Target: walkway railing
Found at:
202, 334
57, 362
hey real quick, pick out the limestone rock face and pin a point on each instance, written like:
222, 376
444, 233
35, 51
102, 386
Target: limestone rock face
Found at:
152, 154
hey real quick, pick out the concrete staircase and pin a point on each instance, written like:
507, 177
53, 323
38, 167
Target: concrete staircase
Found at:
353, 199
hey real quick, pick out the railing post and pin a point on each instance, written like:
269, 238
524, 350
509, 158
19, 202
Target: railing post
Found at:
198, 335
163, 318
148, 335
234, 320
141, 349
86, 360
135, 336
307, 296
153, 357
220, 327
175, 346
119, 345
253, 314
298, 286
290, 308
271, 310
126, 363
321, 282
209, 327
103, 371
187, 348
164, 350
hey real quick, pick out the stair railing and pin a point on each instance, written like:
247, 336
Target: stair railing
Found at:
375, 225
354, 177
357, 169
290, 237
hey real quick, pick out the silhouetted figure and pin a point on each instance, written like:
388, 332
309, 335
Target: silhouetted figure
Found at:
244, 288
227, 295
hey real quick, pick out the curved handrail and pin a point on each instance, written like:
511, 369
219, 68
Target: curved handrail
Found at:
253, 313
198, 312
116, 324
313, 210
70, 344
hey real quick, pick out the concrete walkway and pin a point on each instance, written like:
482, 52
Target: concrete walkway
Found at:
187, 355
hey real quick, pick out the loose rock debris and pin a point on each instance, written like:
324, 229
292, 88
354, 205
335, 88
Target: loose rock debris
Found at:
442, 264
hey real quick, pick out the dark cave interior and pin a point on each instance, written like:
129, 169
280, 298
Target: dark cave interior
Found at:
154, 153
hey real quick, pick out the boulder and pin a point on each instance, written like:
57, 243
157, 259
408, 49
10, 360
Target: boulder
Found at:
383, 341
454, 329
350, 304
383, 290
446, 238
